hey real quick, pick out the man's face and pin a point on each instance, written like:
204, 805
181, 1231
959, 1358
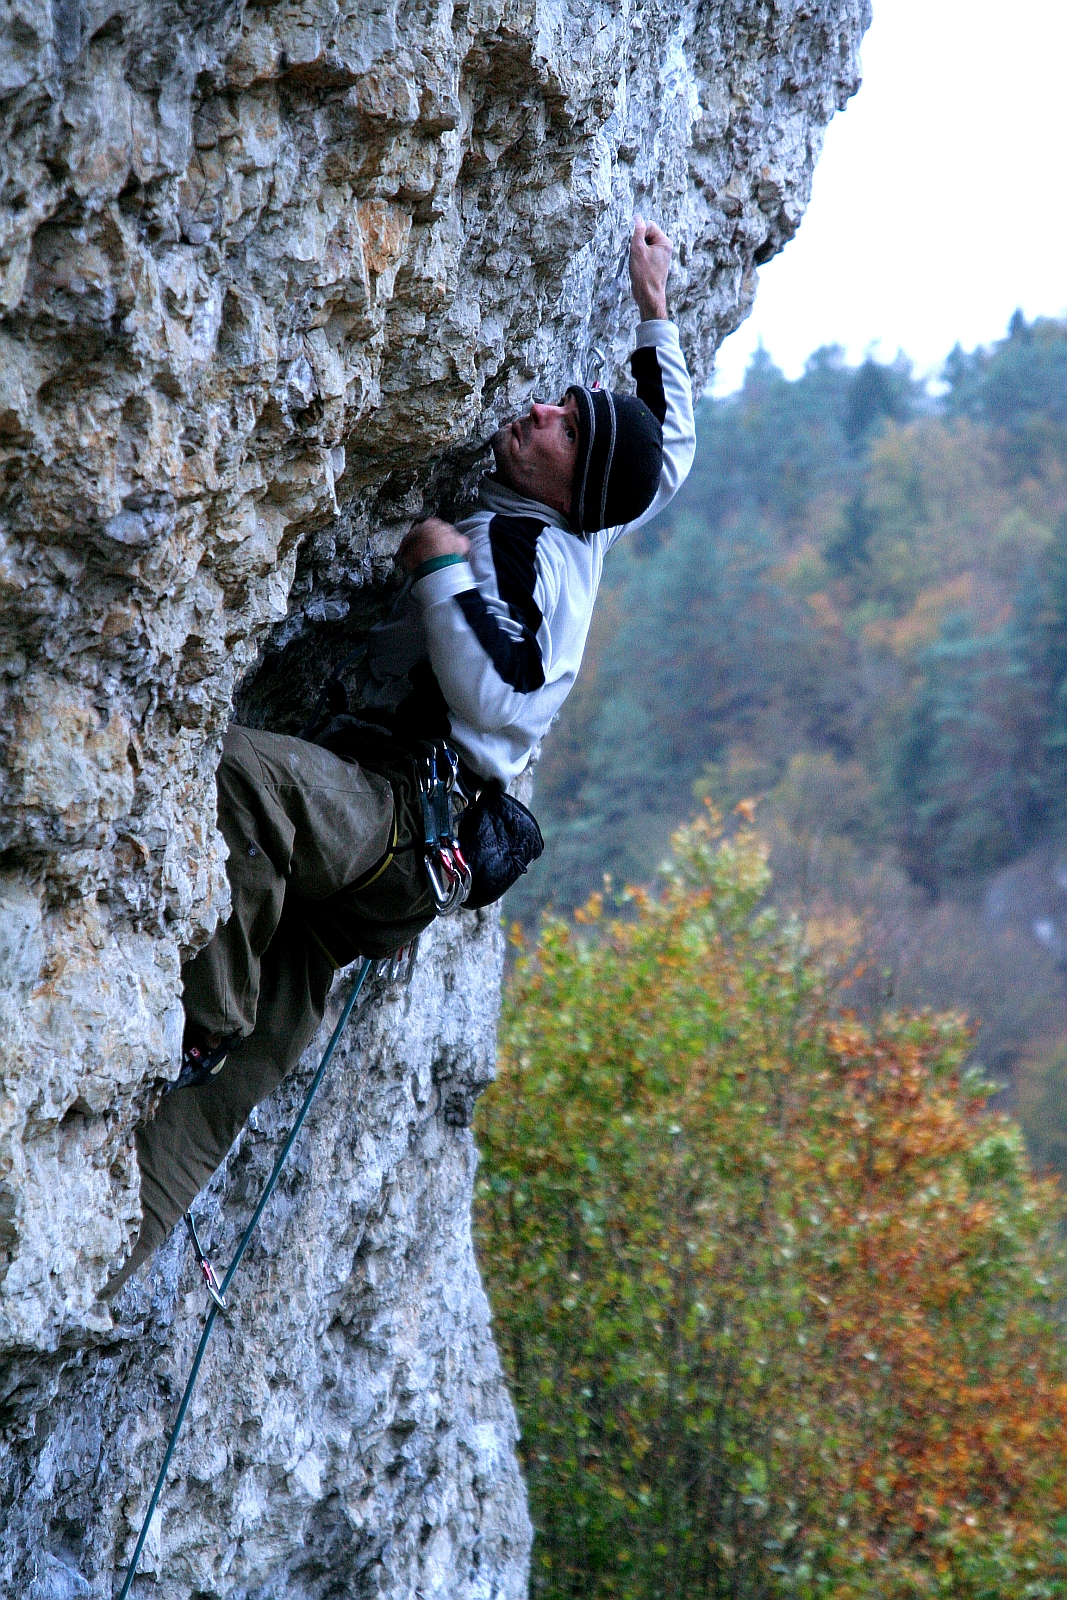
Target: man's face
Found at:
537, 454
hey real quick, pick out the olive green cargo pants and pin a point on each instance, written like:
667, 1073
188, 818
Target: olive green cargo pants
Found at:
301, 824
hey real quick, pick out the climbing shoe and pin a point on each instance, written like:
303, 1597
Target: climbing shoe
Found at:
201, 1062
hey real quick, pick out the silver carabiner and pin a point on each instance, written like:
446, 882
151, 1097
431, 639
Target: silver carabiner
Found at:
403, 962
398, 967
444, 888
211, 1282
596, 363
457, 889
452, 764
459, 875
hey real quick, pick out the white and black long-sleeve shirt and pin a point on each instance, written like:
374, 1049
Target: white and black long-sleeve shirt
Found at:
503, 631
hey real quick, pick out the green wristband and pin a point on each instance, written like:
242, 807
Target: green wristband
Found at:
435, 564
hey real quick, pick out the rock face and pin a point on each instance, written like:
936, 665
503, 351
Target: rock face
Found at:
269, 275
350, 1434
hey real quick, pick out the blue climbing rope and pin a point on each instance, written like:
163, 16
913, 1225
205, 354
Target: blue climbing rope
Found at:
213, 1312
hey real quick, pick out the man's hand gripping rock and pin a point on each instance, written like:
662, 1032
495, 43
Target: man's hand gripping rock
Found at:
650, 262
428, 539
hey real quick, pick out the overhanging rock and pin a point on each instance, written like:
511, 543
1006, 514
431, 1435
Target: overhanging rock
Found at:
269, 275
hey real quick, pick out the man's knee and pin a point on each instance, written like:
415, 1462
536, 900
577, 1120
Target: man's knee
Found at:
186, 1141
238, 778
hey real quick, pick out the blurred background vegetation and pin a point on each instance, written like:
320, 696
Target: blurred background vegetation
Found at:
778, 1297
855, 613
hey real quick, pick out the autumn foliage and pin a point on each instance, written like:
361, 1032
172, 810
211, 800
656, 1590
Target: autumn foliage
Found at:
775, 1291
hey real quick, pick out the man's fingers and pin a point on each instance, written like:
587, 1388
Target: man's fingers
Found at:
430, 525
654, 236
428, 538
638, 237
649, 234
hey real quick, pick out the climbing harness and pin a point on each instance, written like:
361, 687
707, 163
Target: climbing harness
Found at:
446, 867
476, 839
397, 967
442, 799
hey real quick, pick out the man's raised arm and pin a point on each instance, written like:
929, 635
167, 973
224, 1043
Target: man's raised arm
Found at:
658, 365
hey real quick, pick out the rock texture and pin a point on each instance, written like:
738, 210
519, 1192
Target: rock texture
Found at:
350, 1434
269, 275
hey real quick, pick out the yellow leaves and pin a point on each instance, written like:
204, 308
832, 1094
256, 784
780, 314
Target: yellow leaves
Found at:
833, 938
593, 909
936, 498
1018, 537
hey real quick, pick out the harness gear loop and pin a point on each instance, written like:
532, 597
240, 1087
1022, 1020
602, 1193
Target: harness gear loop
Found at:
447, 871
219, 1299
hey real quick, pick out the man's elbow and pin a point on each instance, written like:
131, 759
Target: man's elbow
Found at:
676, 471
484, 713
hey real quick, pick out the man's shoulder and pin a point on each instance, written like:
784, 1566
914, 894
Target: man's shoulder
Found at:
524, 529
533, 558
484, 520
539, 539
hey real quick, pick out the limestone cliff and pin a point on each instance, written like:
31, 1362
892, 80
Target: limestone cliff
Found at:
269, 275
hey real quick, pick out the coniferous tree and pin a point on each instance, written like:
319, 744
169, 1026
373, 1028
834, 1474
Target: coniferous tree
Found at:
878, 393
1050, 651
1018, 388
970, 779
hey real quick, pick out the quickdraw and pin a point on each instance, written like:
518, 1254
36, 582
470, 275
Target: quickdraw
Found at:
211, 1282
447, 870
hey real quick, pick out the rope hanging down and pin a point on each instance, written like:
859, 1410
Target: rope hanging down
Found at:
213, 1311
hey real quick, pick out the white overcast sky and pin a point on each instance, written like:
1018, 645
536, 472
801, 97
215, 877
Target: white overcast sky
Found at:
940, 200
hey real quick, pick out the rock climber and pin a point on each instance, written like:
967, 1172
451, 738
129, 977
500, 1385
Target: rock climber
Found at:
481, 649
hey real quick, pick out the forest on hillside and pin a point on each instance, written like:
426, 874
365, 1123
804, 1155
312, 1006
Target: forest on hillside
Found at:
855, 616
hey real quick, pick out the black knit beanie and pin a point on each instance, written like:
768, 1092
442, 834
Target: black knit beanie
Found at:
620, 454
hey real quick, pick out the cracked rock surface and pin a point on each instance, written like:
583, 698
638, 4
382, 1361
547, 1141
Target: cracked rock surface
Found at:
270, 275
350, 1432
